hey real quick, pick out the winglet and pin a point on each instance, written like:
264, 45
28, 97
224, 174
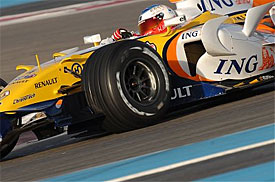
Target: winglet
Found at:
211, 40
253, 18
24, 67
272, 14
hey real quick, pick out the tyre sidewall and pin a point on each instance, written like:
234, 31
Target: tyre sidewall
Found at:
116, 86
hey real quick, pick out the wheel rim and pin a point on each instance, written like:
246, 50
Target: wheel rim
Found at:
140, 82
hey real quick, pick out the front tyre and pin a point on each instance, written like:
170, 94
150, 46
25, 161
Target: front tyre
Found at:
6, 146
128, 82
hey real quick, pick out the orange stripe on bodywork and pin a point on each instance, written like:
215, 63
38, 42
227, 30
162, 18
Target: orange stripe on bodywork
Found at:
174, 64
173, 59
261, 2
266, 26
175, 1
265, 29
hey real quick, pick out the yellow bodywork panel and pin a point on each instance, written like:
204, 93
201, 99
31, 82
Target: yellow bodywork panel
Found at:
38, 85
24, 67
58, 54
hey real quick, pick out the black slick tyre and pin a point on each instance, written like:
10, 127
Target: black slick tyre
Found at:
128, 83
7, 146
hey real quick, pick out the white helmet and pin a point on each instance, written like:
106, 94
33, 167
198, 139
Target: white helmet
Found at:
151, 20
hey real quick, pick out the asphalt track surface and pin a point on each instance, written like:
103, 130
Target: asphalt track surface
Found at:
215, 166
39, 5
63, 154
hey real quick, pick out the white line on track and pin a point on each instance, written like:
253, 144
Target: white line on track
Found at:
192, 161
62, 11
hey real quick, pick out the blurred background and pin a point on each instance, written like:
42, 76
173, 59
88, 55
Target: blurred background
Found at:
21, 41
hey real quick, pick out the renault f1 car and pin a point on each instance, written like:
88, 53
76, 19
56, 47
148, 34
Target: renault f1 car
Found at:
131, 83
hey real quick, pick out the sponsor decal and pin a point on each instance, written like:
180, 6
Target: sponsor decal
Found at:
242, 2
24, 98
77, 68
248, 65
183, 18
181, 92
214, 4
29, 76
268, 58
188, 35
19, 82
45, 83
151, 45
266, 77
24, 77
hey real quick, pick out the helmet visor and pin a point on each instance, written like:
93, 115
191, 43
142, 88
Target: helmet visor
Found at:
149, 25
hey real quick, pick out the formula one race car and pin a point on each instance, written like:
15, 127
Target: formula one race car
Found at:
130, 83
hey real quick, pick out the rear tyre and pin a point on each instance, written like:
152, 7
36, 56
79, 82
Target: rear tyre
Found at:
128, 82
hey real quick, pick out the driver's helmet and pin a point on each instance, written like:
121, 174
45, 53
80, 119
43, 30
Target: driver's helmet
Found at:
151, 20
